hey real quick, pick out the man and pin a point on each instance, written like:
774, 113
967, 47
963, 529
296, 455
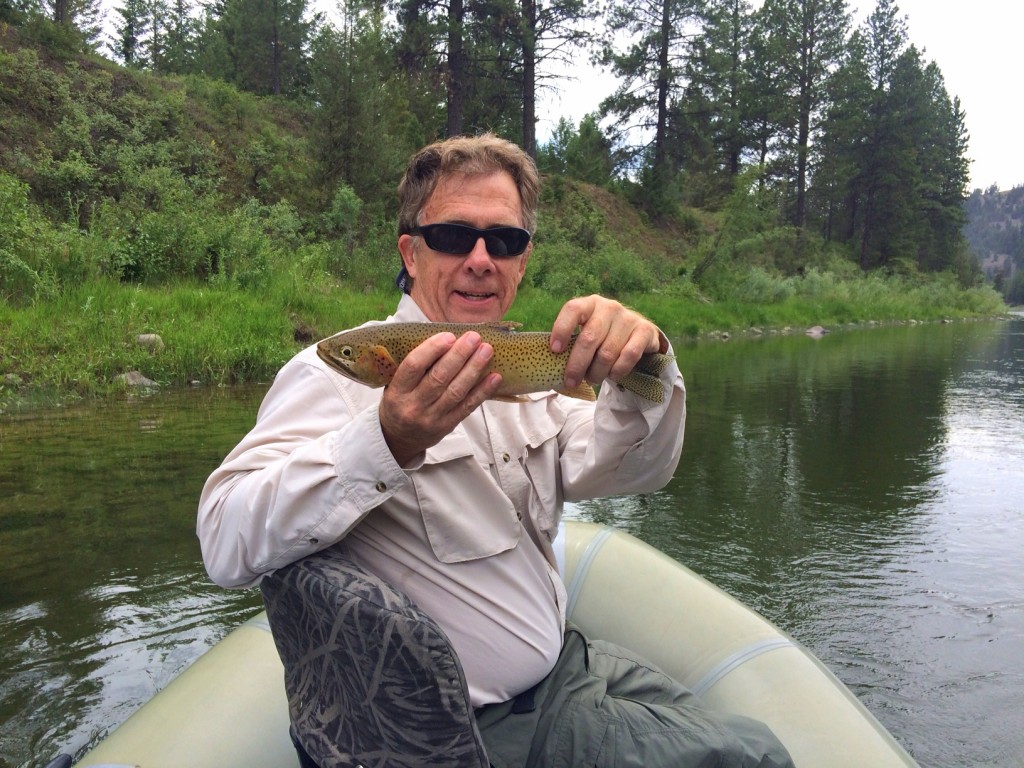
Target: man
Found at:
447, 495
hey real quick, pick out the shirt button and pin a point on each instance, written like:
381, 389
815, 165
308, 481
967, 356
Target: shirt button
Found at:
381, 486
506, 458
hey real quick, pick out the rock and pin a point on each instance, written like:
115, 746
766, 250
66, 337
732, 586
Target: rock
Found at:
150, 341
135, 379
815, 332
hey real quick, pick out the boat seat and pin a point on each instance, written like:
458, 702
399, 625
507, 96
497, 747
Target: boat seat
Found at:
371, 679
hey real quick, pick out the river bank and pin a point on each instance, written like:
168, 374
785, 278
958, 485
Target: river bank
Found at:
104, 337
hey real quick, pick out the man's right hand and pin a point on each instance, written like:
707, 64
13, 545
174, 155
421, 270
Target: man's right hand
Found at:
436, 386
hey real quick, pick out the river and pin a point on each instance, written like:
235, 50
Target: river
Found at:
861, 490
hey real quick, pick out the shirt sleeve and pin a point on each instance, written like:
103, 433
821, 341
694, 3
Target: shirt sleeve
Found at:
310, 469
624, 444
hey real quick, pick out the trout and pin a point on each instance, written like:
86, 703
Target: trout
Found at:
371, 354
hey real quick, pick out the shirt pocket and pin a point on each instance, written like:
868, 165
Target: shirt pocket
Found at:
465, 513
533, 436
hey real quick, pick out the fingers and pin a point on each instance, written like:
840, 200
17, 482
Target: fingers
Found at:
610, 342
438, 385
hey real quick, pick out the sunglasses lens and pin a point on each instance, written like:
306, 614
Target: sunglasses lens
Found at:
506, 241
459, 239
449, 238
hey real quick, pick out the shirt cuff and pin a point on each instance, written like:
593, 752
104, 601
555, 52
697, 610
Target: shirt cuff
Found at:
364, 462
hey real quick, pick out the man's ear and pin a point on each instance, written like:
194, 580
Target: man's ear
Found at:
407, 247
522, 262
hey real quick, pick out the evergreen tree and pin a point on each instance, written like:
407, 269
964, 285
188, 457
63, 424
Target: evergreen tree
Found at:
651, 69
493, 52
130, 31
585, 154
267, 44
838, 153
714, 116
179, 43
719, 72
890, 168
363, 130
884, 166
550, 31
85, 16
804, 42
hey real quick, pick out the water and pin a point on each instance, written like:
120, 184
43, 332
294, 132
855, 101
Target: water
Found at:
861, 491
104, 599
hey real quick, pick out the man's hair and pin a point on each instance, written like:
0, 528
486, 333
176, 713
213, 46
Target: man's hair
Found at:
469, 156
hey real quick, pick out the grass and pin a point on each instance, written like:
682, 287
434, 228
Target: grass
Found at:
77, 344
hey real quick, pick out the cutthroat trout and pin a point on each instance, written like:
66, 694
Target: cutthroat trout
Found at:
524, 359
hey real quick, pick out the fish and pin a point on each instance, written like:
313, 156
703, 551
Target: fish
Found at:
372, 353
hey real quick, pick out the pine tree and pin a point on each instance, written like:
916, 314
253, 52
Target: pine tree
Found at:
130, 32
804, 42
363, 130
651, 69
267, 43
551, 32
85, 16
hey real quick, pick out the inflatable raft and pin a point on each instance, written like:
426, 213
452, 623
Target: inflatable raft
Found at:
228, 709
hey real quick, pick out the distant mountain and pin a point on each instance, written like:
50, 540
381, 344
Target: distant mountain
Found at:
994, 230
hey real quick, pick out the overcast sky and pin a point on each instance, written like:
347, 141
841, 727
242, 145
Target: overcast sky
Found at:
977, 45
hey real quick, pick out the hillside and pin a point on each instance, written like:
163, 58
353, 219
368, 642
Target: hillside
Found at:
995, 231
77, 129
171, 176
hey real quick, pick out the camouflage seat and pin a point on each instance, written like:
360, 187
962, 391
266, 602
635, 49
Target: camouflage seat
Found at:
371, 679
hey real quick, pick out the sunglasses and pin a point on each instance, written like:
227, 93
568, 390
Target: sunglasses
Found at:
459, 239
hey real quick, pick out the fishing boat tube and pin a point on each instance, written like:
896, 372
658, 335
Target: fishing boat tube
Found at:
229, 708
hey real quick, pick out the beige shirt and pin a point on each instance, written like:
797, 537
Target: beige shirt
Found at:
466, 532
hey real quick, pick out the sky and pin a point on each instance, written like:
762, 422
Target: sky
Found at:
977, 45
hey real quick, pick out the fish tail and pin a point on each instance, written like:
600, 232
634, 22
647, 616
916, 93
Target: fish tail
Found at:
653, 364
643, 384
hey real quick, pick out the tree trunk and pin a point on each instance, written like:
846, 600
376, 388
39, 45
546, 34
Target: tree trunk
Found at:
529, 29
456, 68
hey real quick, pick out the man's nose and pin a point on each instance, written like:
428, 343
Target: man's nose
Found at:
478, 259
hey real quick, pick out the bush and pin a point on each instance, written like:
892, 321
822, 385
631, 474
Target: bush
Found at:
29, 245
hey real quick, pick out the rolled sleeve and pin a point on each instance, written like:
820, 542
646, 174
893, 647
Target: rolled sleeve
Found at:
626, 444
311, 468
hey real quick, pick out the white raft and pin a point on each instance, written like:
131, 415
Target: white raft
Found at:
228, 709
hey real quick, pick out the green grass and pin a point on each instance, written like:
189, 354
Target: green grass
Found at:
76, 344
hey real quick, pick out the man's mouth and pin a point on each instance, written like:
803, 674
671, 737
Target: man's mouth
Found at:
474, 296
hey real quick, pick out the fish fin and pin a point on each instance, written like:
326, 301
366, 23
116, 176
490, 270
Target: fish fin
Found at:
643, 384
385, 363
505, 326
511, 398
582, 391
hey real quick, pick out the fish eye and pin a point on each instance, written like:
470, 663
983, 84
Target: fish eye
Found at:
346, 352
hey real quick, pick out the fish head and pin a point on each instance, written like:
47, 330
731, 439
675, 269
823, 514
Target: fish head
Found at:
368, 363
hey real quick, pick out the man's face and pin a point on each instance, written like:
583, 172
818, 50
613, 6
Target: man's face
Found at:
476, 287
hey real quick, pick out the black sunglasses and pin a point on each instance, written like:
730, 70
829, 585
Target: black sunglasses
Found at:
459, 239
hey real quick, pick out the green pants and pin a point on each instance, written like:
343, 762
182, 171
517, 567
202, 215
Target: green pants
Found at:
603, 706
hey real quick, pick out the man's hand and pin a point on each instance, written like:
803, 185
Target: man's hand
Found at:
436, 386
611, 340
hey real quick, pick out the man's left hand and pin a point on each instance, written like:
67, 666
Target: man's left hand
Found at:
611, 339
